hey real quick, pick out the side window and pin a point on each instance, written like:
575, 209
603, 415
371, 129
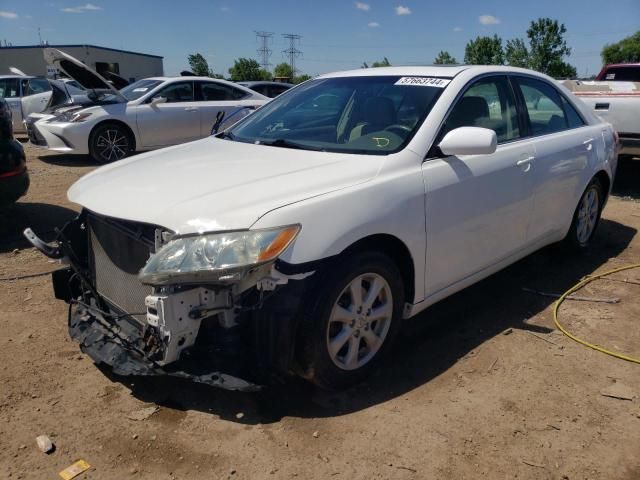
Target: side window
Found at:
177, 92
573, 117
488, 103
37, 85
9, 88
544, 106
212, 92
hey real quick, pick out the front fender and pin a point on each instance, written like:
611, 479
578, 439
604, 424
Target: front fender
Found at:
392, 204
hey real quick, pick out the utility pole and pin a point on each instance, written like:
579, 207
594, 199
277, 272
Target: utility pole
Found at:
264, 51
292, 52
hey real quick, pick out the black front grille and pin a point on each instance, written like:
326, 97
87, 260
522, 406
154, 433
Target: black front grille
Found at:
119, 250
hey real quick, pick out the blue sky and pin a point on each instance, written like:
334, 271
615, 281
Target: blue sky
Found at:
336, 34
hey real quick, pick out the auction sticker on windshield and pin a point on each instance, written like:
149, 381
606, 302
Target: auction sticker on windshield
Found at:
423, 82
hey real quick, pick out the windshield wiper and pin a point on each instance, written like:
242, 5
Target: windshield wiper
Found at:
281, 142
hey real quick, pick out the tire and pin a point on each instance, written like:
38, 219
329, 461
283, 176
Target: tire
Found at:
586, 217
110, 142
359, 341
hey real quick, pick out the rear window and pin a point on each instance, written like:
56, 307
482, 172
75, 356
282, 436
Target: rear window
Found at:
623, 74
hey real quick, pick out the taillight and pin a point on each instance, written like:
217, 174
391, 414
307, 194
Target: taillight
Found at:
616, 139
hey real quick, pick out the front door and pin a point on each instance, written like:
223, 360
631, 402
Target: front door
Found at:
478, 206
175, 121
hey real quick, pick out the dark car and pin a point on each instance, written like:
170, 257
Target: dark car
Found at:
268, 89
14, 178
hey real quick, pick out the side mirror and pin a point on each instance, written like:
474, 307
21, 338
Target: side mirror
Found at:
469, 141
158, 100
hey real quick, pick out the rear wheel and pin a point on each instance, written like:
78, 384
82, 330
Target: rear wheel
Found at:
110, 142
586, 217
353, 322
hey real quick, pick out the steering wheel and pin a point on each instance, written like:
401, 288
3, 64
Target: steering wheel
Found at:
403, 129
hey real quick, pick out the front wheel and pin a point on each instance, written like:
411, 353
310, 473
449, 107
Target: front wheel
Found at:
109, 143
353, 321
586, 217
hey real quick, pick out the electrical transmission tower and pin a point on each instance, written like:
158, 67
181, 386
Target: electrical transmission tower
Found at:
292, 52
264, 51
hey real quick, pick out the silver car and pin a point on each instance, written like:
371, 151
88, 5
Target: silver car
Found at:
148, 114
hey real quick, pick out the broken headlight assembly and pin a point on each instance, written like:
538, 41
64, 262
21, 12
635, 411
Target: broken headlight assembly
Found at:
216, 257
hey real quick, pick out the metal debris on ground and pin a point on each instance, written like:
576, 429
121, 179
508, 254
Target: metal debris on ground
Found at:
44, 444
143, 413
619, 391
572, 296
74, 470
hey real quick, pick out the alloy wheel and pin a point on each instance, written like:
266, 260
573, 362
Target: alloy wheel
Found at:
588, 215
112, 145
359, 321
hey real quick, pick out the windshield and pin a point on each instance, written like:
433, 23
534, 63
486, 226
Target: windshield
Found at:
370, 115
139, 88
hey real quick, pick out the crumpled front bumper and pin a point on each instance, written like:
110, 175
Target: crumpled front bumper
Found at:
114, 343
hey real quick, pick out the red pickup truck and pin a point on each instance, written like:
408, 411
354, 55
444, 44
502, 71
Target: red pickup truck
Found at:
620, 72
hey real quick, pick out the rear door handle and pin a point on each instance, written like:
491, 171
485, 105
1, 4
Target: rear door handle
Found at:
588, 143
525, 160
191, 109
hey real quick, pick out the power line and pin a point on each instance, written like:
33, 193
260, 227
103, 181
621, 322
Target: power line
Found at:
264, 51
292, 52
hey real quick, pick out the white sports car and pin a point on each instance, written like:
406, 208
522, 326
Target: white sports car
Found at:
148, 114
298, 240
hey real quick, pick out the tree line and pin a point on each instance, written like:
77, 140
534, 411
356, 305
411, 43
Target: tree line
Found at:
245, 69
544, 50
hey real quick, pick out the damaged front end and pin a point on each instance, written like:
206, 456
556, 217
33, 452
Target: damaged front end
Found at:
146, 302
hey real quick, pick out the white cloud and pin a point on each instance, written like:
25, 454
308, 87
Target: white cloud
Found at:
9, 15
488, 20
87, 7
373, 24
400, 10
457, 29
363, 6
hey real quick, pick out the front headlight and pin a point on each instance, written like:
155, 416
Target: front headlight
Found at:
73, 117
215, 257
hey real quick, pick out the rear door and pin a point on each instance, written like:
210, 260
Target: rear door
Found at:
36, 97
478, 206
10, 91
175, 121
213, 97
564, 145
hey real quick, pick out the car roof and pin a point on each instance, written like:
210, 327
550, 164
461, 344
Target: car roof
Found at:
446, 71
253, 83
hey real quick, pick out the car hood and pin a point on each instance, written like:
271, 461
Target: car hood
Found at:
214, 184
78, 71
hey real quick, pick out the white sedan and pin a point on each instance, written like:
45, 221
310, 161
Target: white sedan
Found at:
301, 238
148, 114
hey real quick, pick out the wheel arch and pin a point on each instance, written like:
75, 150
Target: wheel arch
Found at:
396, 250
605, 180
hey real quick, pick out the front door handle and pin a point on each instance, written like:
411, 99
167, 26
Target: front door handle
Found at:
191, 109
588, 143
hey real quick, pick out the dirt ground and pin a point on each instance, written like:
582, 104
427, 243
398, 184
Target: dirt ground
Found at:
482, 384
